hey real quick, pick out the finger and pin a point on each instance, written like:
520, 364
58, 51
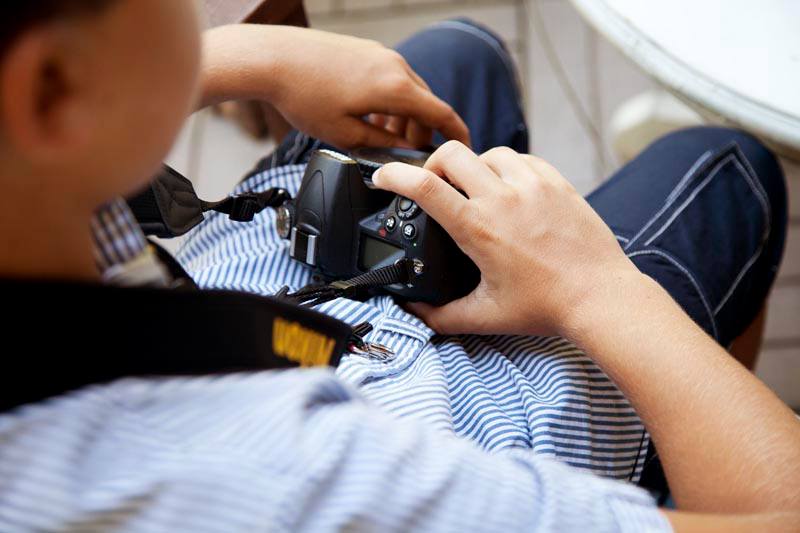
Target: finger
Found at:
422, 105
397, 125
417, 78
434, 195
438, 115
418, 135
359, 133
378, 119
465, 315
464, 169
411, 72
508, 164
543, 169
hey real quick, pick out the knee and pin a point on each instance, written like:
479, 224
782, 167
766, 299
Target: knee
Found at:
762, 162
484, 33
715, 138
470, 44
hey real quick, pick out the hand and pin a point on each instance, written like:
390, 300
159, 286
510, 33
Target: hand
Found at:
324, 84
540, 247
549, 265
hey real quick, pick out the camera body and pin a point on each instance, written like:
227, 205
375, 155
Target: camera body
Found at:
342, 226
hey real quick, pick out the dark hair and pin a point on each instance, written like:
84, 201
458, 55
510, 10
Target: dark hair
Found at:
17, 16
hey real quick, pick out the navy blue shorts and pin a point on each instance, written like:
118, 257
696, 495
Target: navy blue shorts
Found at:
703, 212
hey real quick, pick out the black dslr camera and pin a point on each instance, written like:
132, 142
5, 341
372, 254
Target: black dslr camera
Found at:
342, 226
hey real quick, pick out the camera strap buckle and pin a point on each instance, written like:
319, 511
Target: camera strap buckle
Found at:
244, 207
170, 207
369, 350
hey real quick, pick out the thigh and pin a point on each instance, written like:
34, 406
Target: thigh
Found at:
469, 67
702, 211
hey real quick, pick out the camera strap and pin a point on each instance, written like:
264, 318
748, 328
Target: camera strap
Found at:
169, 207
402, 271
63, 336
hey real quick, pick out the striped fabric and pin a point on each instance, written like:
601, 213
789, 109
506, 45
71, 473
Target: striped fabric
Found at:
117, 236
305, 450
500, 392
121, 250
278, 451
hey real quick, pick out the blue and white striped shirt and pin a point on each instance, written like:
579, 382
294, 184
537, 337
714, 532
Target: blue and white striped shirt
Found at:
377, 446
500, 392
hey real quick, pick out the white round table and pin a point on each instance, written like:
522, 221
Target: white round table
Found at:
735, 61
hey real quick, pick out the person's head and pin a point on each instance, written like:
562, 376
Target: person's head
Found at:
92, 93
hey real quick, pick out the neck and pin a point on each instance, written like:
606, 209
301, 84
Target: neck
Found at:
45, 235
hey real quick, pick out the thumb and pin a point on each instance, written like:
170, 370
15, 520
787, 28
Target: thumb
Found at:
464, 315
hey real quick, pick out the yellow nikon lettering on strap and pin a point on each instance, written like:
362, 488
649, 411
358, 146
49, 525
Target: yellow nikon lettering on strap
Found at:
301, 345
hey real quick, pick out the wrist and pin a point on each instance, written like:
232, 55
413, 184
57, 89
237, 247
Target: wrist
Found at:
618, 291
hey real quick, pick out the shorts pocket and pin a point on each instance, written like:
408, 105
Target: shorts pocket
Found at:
716, 226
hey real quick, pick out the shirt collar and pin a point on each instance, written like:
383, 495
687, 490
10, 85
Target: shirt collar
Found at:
122, 252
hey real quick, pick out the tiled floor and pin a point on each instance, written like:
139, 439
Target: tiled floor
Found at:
216, 154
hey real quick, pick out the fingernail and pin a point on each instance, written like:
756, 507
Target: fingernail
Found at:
376, 177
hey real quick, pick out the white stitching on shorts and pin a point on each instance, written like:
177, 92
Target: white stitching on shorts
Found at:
757, 187
736, 281
755, 184
672, 196
621, 239
691, 198
689, 275
752, 174
684, 182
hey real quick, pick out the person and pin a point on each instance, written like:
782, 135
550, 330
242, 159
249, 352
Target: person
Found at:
302, 449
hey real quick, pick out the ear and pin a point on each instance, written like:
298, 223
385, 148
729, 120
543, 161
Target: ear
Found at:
44, 115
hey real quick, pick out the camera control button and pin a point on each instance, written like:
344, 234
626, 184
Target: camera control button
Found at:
409, 231
406, 209
390, 224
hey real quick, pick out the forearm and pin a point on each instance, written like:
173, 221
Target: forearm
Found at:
324, 84
234, 70
726, 442
730, 523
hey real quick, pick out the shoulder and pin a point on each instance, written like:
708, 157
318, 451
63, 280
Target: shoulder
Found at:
219, 450
242, 416
161, 400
